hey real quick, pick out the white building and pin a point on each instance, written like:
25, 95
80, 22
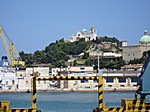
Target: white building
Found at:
25, 84
85, 35
111, 54
81, 69
25, 78
43, 71
123, 81
105, 54
112, 80
82, 84
74, 69
123, 43
55, 71
8, 79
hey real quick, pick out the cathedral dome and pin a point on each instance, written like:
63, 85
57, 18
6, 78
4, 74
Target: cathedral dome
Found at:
84, 30
145, 38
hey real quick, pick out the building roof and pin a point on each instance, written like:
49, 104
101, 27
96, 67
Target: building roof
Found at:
145, 38
84, 30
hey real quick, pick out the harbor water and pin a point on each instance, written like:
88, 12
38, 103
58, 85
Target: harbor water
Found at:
65, 102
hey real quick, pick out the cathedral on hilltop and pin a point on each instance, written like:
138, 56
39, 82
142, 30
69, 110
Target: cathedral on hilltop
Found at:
85, 35
129, 52
136, 51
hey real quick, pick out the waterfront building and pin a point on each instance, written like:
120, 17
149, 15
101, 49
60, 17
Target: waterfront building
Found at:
25, 78
55, 71
81, 69
70, 70
76, 69
43, 71
8, 79
25, 84
112, 80
21, 73
81, 84
121, 80
125, 79
21, 79
136, 51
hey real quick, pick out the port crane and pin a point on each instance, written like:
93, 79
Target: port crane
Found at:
13, 55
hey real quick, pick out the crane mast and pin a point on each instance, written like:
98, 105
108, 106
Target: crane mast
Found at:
11, 52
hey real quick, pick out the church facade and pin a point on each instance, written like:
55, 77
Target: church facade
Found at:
83, 34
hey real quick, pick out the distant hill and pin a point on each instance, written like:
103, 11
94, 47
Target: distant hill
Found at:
57, 54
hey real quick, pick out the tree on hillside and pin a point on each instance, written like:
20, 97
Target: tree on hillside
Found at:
106, 39
28, 58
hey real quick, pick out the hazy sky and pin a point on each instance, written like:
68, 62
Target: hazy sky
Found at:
34, 24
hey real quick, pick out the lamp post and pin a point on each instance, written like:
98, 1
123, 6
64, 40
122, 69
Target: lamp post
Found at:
98, 58
98, 62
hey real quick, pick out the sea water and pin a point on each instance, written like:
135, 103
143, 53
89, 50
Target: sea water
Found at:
65, 102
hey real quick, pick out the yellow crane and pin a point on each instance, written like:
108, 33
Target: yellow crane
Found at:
13, 55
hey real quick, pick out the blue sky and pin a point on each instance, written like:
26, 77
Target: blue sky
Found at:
34, 24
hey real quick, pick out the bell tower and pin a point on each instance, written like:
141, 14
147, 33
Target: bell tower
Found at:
93, 33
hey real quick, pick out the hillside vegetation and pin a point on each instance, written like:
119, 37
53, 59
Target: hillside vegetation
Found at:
58, 53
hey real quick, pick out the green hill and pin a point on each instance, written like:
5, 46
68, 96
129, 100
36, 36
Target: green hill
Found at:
57, 54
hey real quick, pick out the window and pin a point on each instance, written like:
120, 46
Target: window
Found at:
95, 81
13, 82
122, 80
84, 81
6, 82
134, 79
109, 85
44, 81
109, 79
26, 82
82, 68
